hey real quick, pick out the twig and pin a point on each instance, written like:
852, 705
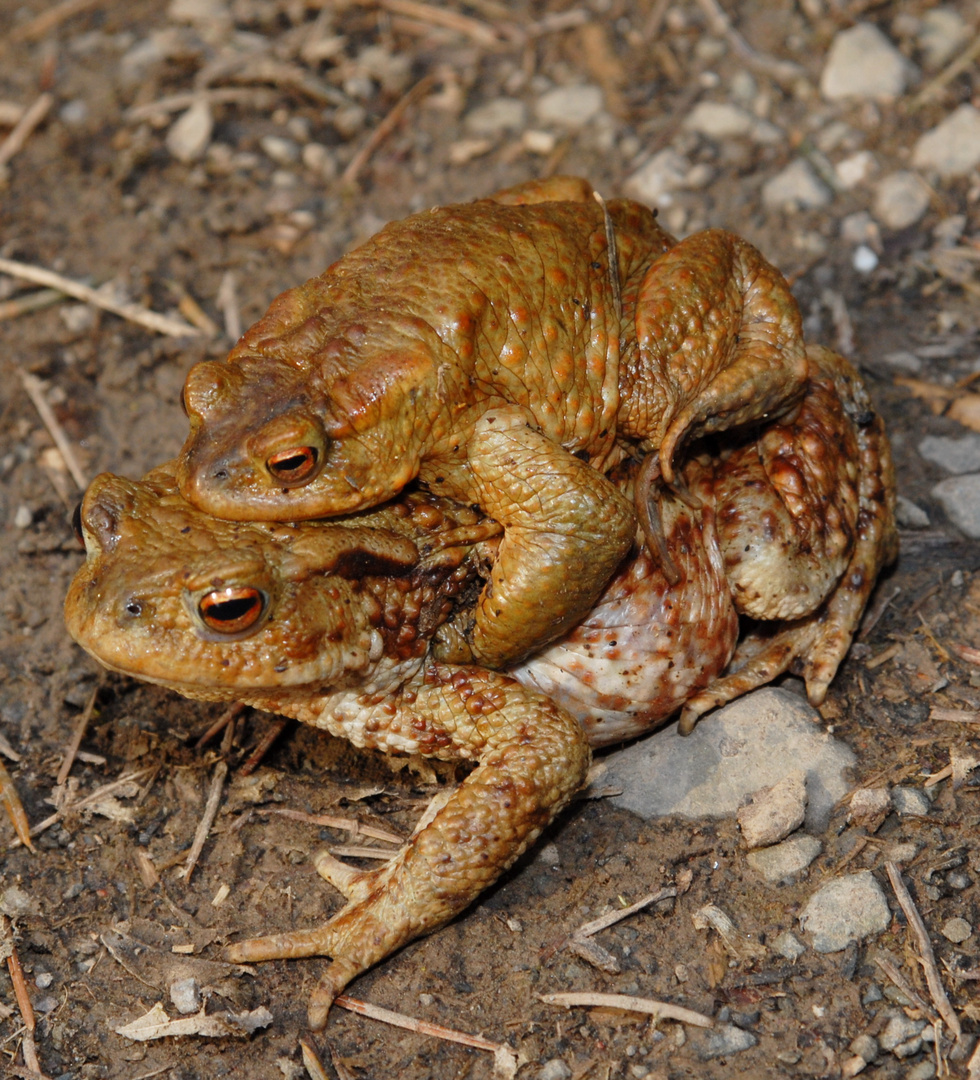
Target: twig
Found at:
875, 612
356, 828
956, 67
224, 95
410, 1023
311, 1061
35, 390
99, 793
590, 928
17, 976
33, 116
480, 32
385, 128
10, 800
890, 969
926, 956
661, 1009
954, 716
35, 301
227, 301
48, 20
227, 717
76, 739
207, 818
152, 320
252, 762
783, 71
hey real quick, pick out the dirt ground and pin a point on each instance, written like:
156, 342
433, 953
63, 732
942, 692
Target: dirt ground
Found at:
98, 193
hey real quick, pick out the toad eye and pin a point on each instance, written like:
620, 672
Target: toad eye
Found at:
294, 465
233, 609
76, 524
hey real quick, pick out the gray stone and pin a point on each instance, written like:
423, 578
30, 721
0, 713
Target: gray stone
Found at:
849, 908
869, 807
569, 106
186, 995
653, 182
752, 742
960, 498
723, 1040
956, 930
788, 945
941, 33
495, 117
904, 361
774, 812
909, 515
910, 802
855, 169
863, 63
281, 150
921, 1070
866, 1047
955, 455
901, 199
952, 148
899, 1030
556, 1069
722, 120
786, 859
797, 187
189, 135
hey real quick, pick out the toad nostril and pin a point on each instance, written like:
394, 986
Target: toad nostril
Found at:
134, 607
220, 474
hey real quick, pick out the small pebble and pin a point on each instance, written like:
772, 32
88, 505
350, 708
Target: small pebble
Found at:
722, 1041
952, 148
959, 497
556, 1069
849, 908
855, 169
494, 118
788, 945
865, 1046
901, 199
921, 1070
538, 142
956, 879
320, 159
774, 812
910, 516
653, 182
955, 455
864, 259
569, 106
186, 995
869, 807
43, 979
23, 517
785, 860
797, 187
899, 1030
281, 150
956, 930
188, 137
863, 63
942, 32
910, 802
872, 994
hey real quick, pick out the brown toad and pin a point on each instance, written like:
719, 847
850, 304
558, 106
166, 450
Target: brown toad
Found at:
332, 622
506, 352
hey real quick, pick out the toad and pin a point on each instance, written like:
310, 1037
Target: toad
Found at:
507, 353
332, 622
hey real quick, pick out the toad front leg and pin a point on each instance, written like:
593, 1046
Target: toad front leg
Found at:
566, 530
532, 757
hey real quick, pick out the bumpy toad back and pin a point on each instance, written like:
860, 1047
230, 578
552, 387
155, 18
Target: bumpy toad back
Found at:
479, 347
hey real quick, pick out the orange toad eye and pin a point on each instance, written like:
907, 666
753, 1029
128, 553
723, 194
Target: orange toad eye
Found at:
233, 609
293, 465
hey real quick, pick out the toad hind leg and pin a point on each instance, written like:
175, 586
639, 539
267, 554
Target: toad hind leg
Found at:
532, 756
720, 344
566, 530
